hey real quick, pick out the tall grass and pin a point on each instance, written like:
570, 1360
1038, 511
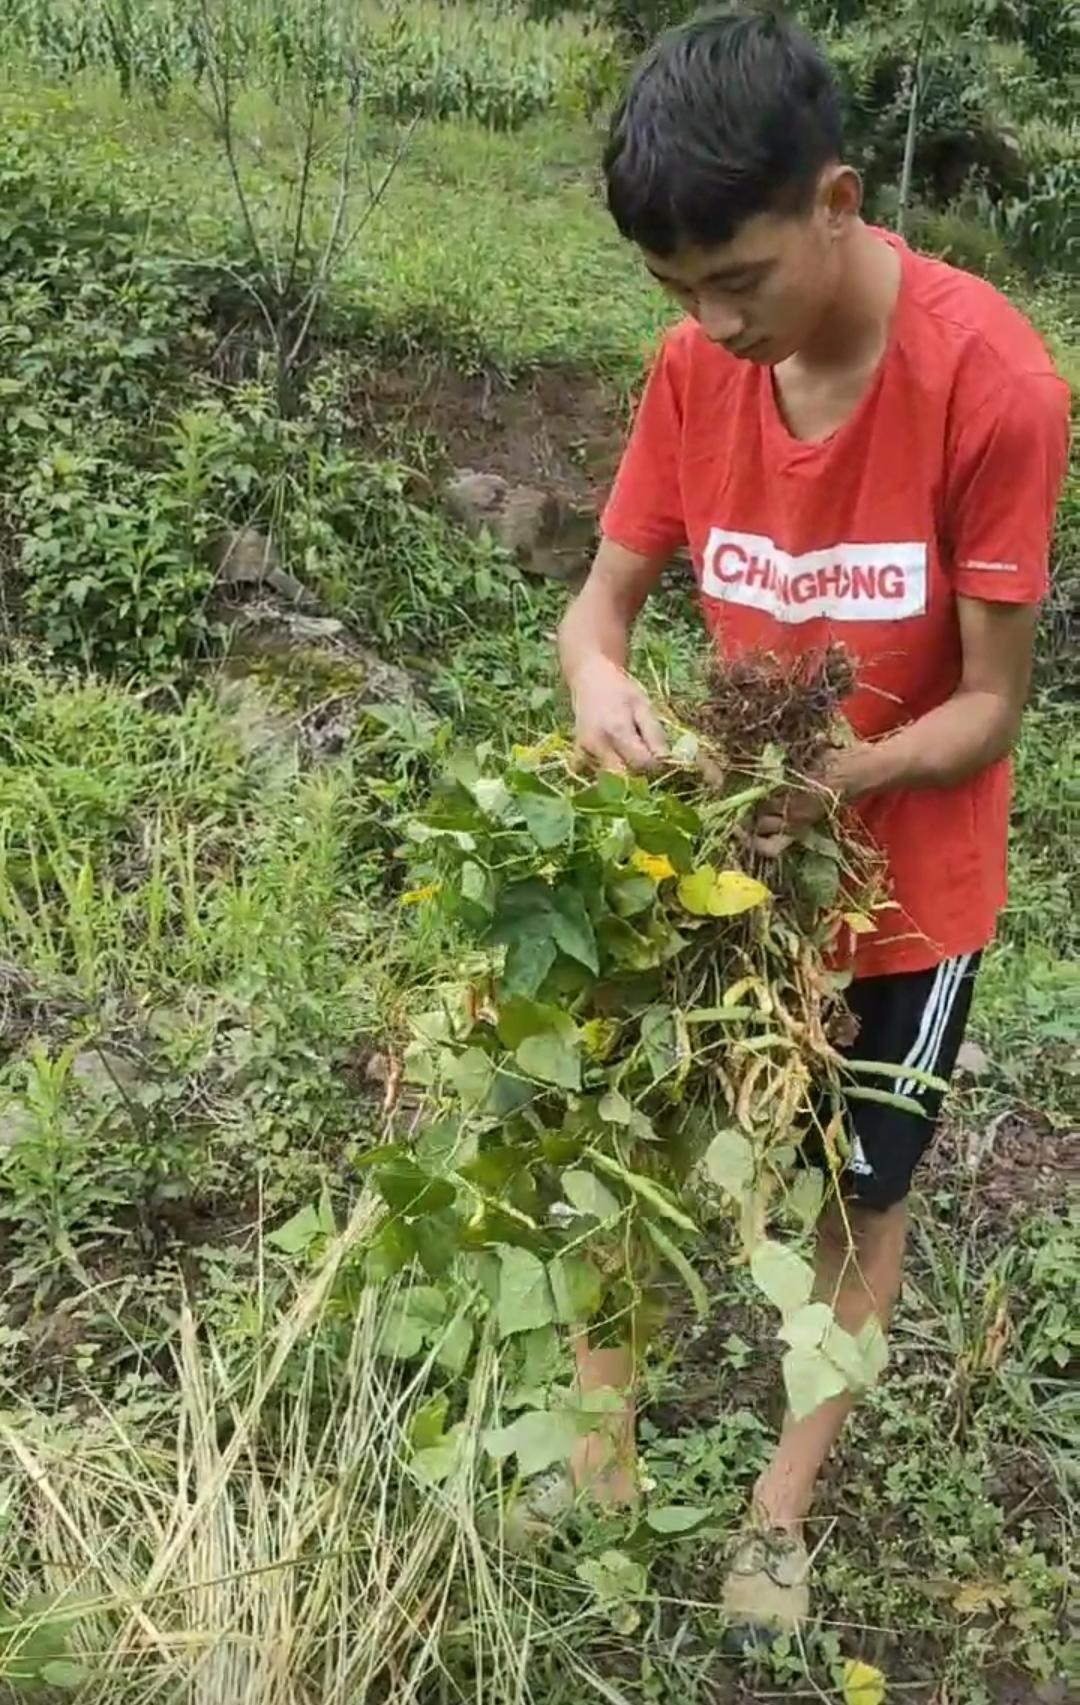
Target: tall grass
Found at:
270, 1545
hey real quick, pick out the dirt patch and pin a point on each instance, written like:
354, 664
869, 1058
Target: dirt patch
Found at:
1018, 1163
559, 428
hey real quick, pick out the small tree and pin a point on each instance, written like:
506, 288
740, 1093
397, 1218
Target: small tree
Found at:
294, 249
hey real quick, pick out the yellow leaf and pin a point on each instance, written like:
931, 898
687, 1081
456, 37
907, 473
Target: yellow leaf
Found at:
656, 865
546, 748
709, 893
733, 892
417, 896
859, 924
863, 1684
980, 1595
695, 890
598, 1037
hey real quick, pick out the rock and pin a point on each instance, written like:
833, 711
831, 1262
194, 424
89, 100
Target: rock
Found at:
476, 499
973, 1060
259, 723
103, 1074
246, 557
545, 534
15, 1123
313, 630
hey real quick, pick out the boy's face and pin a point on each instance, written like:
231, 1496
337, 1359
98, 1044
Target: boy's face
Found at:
763, 294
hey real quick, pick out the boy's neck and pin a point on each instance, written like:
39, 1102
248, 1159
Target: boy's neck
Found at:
854, 329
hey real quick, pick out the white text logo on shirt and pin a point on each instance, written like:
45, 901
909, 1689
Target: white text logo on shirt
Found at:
845, 583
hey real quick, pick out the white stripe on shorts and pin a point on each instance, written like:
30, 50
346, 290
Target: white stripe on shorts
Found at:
927, 1045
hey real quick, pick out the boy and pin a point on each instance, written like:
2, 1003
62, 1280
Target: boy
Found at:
856, 443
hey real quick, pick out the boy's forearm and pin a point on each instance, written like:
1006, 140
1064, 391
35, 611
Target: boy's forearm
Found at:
966, 734
590, 629
599, 622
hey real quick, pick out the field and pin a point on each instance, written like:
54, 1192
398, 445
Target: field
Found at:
273, 278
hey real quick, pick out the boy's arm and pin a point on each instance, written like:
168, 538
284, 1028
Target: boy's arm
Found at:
614, 721
1008, 464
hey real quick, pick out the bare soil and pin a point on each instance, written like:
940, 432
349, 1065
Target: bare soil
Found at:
559, 428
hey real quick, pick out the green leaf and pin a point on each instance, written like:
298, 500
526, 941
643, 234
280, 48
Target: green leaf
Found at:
675, 1518
530, 954
455, 1346
542, 1355
548, 817
520, 1018
874, 1349
632, 895
401, 1337
300, 1234
65, 1674
613, 1576
660, 1041
805, 1329
842, 1351
427, 1424
492, 795
436, 1242
784, 1277
576, 1286
573, 928
729, 1162
810, 1380
614, 1108
525, 1300
426, 1304
538, 1438
682, 1264
476, 885
393, 1248
438, 1462
407, 1189
817, 877
584, 1191
470, 1073
552, 1059
805, 1197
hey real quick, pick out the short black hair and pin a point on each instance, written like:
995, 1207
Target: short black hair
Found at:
731, 114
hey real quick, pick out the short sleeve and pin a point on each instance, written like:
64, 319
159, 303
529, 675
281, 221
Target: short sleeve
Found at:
1006, 473
644, 511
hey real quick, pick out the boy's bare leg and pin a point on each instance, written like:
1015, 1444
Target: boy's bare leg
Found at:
604, 1462
858, 1276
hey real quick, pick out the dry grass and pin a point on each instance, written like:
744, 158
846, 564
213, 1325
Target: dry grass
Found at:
276, 1549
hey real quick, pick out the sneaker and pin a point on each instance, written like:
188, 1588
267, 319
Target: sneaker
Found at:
766, 1588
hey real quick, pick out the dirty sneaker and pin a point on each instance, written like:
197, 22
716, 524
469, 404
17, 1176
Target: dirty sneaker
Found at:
766, 1589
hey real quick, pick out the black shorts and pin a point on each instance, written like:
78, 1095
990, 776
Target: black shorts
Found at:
915, 1019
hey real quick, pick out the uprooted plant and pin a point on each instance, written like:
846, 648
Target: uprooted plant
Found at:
637, 1008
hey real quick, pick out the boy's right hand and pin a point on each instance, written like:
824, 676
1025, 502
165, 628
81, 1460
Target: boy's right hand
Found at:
616, 725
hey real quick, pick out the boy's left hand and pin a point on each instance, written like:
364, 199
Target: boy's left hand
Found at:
782, 817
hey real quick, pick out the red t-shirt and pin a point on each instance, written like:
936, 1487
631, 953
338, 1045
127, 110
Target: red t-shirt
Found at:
943, 481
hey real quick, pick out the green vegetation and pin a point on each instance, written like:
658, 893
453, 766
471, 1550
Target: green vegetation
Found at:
261, 1439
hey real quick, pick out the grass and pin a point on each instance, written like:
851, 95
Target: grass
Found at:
209, 1486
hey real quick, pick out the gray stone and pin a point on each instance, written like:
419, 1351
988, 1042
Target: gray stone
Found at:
246, 557
104, 1074
15, 1123
545, 534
